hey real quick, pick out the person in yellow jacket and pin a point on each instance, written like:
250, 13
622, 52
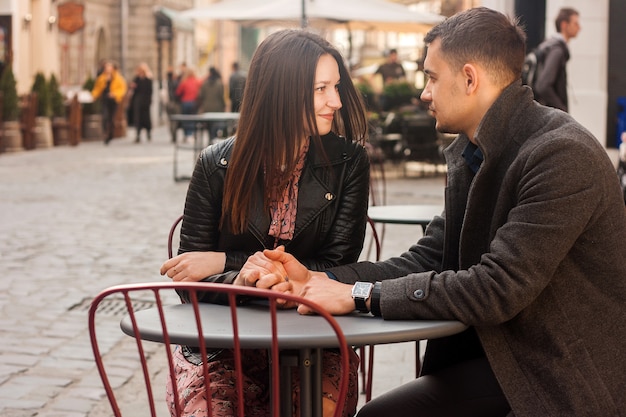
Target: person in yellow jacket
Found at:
110, 87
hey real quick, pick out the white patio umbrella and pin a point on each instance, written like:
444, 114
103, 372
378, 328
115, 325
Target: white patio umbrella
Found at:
355, 14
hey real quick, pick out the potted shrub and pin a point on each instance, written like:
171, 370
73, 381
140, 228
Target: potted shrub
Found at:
397, 93
60, 125
92, 118
43, 128
11, 133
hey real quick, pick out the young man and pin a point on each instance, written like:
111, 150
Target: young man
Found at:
551, 84
391, 70
529, 251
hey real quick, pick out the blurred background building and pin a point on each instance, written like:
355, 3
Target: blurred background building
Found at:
69, 38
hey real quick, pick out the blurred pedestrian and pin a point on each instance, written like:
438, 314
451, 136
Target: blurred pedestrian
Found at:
141, 87
551, 85
211, 99
391, 70
187, 92
110, 87
173, 105
236, 85
211, 95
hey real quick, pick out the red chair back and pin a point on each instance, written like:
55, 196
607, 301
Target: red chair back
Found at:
159, 293
170, 238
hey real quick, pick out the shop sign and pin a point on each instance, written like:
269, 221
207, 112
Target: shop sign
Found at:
71, 16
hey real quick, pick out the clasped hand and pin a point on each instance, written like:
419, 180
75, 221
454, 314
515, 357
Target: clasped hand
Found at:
281, 271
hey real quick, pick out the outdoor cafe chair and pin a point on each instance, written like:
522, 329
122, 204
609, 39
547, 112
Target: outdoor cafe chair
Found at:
110, 360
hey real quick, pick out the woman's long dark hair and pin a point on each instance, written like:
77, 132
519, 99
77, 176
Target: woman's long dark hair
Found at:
277, 115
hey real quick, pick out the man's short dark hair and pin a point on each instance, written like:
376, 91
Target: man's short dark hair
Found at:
564, 16
469, 36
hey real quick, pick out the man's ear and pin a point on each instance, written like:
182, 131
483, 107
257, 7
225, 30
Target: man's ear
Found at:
470, 73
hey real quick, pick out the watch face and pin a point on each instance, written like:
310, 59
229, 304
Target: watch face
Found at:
362, 289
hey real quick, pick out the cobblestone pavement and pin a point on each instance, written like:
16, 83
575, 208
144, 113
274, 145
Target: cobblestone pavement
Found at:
75, 220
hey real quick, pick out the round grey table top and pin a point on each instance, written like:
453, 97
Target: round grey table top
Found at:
294, 330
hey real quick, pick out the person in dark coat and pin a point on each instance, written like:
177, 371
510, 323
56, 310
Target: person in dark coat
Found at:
551, 84
529, 251
211, 100
236, 85
141, 100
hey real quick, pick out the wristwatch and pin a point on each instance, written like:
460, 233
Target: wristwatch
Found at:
361, 291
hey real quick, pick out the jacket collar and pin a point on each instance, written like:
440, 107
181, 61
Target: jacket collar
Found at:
335, 150
504, 119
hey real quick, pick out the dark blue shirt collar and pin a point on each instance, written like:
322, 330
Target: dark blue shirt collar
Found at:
473, 156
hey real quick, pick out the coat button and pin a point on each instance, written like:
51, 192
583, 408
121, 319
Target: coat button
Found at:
419, 294
329, 196
223, 161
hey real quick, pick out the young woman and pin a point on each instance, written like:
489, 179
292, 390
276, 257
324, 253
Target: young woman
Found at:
141, 101
295, 175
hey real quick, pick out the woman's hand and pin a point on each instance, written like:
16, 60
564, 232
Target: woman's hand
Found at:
261, 272
194, 266
298, 274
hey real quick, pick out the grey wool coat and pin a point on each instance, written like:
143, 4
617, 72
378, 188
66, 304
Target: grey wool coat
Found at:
531, 254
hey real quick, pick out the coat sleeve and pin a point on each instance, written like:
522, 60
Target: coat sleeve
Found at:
119, 88
203, 207
203, 210
98, 87
425, 255
553, 230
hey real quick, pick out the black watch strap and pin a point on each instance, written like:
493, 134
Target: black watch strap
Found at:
375, 304
361, 305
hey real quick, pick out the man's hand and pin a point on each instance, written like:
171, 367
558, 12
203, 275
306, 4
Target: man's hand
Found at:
298, 274
335, 297
261, 272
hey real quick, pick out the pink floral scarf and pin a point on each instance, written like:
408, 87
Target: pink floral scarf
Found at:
284, 205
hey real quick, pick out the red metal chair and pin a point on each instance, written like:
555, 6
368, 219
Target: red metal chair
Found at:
170, 238
133, 295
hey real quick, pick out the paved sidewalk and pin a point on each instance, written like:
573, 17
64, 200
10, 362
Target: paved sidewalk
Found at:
75, 220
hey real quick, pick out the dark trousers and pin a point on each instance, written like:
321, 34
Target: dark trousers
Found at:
109, 106
468, 389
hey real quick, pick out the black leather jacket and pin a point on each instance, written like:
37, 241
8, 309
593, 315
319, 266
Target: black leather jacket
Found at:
331, 217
